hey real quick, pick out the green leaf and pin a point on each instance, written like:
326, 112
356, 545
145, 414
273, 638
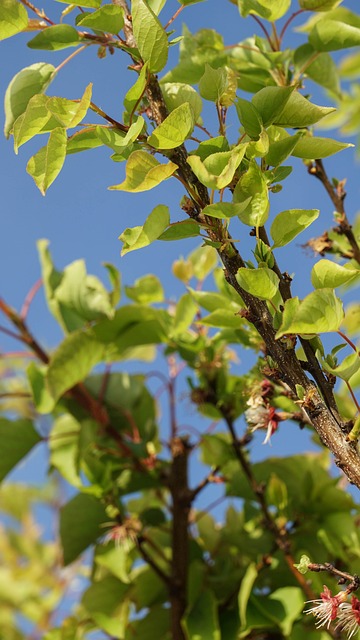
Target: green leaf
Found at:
288, 224
213, 145
109, 18
72, 361
204, 260
24, 85
202, 620
102, 601
31, 122
135, 92
225, 210
291, 604
246, 588
116, 559
146, 290
262, 283
218, 169
281, 149
177, 93
322, 69
270, 102
269, 9
211, 301
13, 18
116, 139
320, 312
69, 113
332, 35
326, 273
154, 226
184, 315
213, 83
346, 369
60, 36
276, 492
252, 189
319, 5
17, 437
174, 130
64, 448
144, 172
310, 147
150, 36
83, 140
80, 525
181, 230
92, 4
42, 399
299, 112
249, 117
223, 318
46, 164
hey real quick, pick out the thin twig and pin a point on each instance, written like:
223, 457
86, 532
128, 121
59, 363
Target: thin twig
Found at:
70, 57
176, 14
287, 23
39, 12
29, 298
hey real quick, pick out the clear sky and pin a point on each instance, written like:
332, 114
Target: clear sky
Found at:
82, 219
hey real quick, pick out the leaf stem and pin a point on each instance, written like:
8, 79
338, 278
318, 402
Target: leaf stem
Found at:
176, 14
353, 396
70, 57
265, 31
39, 12
287, 23
350, 343
29, 298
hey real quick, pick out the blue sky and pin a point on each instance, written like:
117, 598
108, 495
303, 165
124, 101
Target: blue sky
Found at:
82, 219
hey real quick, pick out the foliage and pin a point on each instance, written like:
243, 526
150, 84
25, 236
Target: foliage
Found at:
133, 540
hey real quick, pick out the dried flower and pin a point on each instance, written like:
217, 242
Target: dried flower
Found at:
259, 416
349, 617
326, 608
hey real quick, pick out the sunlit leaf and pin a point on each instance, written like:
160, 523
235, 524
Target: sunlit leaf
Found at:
311, 147
59, 36
300, 112
174, 130
332, 35
320, 312
326, 273
262, 283
154, 226
31, 122
269, 9
218, 169
109, 18
270, 102
144, 172
288, 224
252, 191
46, 164
69, 113
150, 36
13, 18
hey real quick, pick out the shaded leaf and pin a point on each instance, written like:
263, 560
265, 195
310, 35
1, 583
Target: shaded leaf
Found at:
17, 437
252, 191
270, 102
59, 36
202, 620
80, 525
109, 18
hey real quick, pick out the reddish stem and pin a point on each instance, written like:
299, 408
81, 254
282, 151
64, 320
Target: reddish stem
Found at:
287, 23
29, 298
344, 337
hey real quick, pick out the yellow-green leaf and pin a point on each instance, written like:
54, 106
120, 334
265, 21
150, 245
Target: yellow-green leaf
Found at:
320, 312
150, 36
13, 18
47, 163
69, 113
59, 36
174, 130
109, 18
31, 122
144, 172
154, 226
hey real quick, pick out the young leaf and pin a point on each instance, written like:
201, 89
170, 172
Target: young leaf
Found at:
83, 140
204, 260
270, 102
69, 113
18, 437
72, 361
60, 36
13, 18
135, 92
154, 226
213, 83
225, 210
282, 149
326, 273
177, 93
332, 35
246, 587
252, 189
80, 525
249, 117
26, 84
288, 224
262, 283
109, 18
346, 369
174, 130
116, 139
310, 147
144, 172
46, 164
320, 312
218, 169
150, 37
181, 230
299, 112
269, 9
31, 122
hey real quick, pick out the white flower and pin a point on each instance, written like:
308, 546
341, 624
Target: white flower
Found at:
262, 417
326, 608
349, 617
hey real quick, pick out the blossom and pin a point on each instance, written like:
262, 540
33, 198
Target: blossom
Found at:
349, 617
326, 608
259, 416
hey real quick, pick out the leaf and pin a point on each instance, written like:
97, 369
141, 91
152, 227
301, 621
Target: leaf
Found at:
17, 437
154, 226
249, 117
13, 18
225, 210
269, 9
181, 230
64, 448
174, 130
332, 35
262, 283
42, 399
116, 139
320, 312
102, 600
69, 113
270, 102
281, 149
80, 525
59, 36
93, 4
83, 140
212, 83
252, 189
24, 85
223, 318
146, 290
246, 588
135, 92
211, 301
310, 147
291, 601
218, 169
185, 312
46, 164
299, 112
31, 122
109, 18
144, 172
150, 37
288, 224
326, 273
177, 93
322, 69
204, 260
319, 5
346, 369
202, 620
72, 361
